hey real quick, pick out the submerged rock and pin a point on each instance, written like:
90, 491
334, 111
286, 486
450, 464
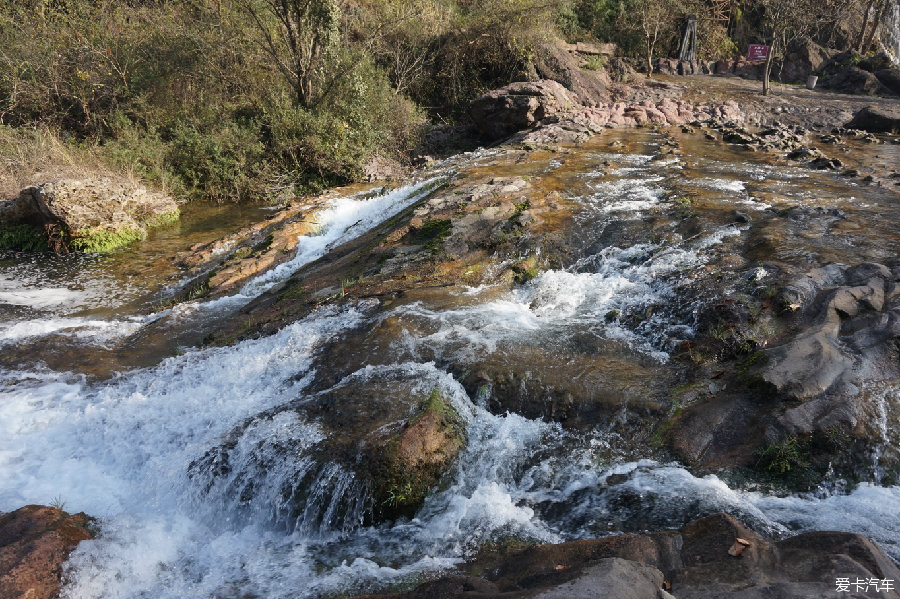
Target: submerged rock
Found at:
95, 214
35, 541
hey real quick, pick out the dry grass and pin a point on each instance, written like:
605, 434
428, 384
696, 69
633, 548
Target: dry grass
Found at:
33, 156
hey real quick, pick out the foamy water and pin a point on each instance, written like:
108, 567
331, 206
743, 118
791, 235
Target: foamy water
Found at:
139, 451
344, 219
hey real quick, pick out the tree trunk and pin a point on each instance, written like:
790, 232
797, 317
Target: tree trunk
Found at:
865, 25
767, 69
871, 37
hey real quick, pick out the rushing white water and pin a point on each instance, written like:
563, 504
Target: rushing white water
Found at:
209, 482
80, 328
345, 218
890, 30
122, 451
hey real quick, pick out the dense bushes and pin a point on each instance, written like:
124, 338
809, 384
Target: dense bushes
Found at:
182, 94
221, 99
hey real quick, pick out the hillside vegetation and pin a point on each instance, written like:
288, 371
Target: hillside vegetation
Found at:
259, 99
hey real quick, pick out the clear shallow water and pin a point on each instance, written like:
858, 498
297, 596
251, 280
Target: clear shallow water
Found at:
126, 449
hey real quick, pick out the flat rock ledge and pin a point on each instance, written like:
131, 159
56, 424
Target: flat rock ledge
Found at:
710, 558
545, 113
88, 215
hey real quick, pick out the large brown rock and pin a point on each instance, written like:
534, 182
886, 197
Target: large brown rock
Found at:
555, 61
502, 112
87, 211
35, 541
697, 561
803, 58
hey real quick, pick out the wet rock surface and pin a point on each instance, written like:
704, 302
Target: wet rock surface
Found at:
378, 448
35, 542
687, 563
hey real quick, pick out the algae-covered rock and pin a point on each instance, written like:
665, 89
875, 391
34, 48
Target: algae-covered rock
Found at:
412, 460
87, 215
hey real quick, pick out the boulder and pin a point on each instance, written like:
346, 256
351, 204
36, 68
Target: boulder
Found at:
856, 314
713, 557
614, 577
35, 541
378, 448
502, 112
875, 63
554, 62
842, 73
876, 119
724, 67
803, 58
407, 463
890, 78
94, 214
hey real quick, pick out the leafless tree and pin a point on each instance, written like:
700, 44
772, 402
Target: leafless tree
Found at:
298, 36
786, 20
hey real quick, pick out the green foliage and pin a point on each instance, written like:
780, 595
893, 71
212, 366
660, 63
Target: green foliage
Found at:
184, 95
25, 238
781, 457
103, 241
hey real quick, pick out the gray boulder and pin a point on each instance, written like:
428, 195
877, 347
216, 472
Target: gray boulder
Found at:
502, 112
876, 119
95, 213
890, 78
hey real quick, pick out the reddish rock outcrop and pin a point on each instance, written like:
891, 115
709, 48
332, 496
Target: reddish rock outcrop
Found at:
35, 541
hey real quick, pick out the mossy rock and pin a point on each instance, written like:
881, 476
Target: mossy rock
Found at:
413, 460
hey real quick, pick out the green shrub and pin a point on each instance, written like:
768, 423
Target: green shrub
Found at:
781, 457
26, 238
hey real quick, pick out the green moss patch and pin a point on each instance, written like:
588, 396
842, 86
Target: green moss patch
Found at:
104, 241
161, 220
24, 238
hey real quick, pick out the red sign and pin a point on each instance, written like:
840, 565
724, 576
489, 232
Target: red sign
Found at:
758, 52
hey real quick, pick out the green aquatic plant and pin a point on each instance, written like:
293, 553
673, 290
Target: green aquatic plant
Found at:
783, 456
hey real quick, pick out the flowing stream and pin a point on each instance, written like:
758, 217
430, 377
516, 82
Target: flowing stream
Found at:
133, 448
